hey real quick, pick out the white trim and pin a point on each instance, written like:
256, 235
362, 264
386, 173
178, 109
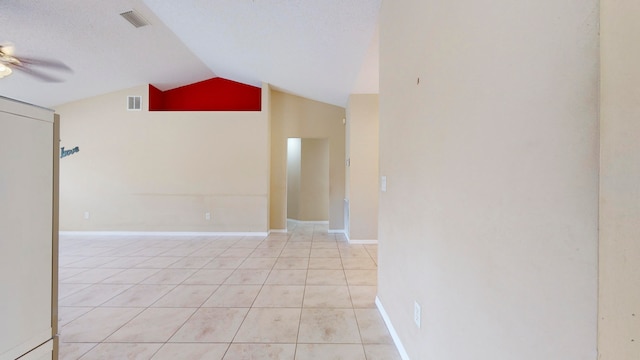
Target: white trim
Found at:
363, 242
161, 233
336, 231
392, 331
309, 222
278, 231
356, 242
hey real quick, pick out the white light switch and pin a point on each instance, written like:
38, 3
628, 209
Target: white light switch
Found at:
383, 183
417, 314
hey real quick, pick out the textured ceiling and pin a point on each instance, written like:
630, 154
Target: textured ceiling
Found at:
322, 50
104, 50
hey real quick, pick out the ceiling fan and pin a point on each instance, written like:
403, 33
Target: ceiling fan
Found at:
27, 65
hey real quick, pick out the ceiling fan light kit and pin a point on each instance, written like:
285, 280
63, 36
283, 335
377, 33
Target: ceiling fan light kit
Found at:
4, 71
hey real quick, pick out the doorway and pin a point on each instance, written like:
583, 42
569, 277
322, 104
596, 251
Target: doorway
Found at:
308, 179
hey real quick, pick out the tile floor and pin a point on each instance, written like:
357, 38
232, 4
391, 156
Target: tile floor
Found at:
306, 294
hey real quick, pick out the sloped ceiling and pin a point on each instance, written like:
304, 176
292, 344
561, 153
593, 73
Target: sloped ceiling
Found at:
105, 52
321, 50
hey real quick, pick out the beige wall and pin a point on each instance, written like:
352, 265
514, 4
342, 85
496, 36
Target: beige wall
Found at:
308, 179
293, 116
362, 174
161, 171
314, 180
619, 307
490, 217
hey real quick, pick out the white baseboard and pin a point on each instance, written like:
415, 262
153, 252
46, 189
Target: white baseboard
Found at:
278, 231
336, 231
308, 222
392, 331
357, 242
363, 242
159, 233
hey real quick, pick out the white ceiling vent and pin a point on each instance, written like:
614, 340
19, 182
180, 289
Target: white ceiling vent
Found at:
134, 103
134, 18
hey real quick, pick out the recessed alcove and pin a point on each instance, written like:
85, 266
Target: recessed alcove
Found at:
215, 94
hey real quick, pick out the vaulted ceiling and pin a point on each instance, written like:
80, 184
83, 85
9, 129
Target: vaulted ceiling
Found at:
322, 50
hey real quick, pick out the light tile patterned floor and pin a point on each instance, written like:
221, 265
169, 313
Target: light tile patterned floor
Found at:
306, 294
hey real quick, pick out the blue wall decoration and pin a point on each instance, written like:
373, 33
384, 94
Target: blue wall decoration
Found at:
64, 153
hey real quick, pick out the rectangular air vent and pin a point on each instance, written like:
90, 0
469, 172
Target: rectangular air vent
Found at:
134, 18
134, 103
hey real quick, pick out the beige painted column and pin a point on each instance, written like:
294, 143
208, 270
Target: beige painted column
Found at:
314, 180
362, 174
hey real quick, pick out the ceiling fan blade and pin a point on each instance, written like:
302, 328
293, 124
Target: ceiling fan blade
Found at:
8, 49
37, 74
54, 64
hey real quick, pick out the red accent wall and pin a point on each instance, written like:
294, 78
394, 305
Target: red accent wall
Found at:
155, 98
216, 94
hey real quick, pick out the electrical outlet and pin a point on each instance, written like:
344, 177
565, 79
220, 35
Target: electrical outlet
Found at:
86, 215
417, 314
383, 183
207, 216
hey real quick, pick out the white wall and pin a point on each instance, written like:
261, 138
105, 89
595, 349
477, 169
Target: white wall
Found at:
362, 173
619, 308
162, 171
294, 157
490, 218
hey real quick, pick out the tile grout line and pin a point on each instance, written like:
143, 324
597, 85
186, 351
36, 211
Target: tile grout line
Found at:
304, 293
149, 306
315, 235
100, 306
253, 302
353, 310
134, 317
192, 314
